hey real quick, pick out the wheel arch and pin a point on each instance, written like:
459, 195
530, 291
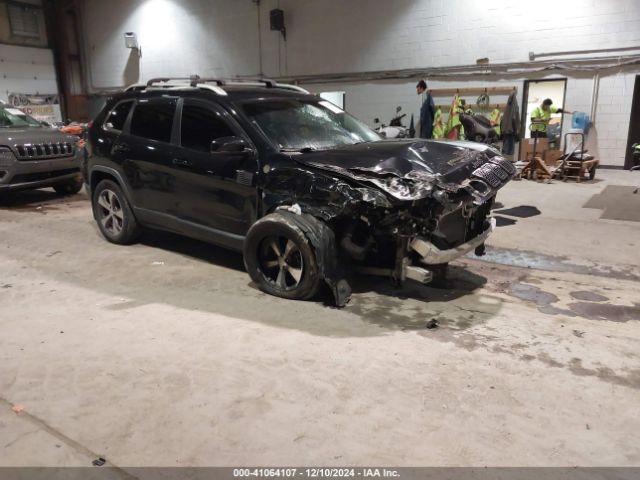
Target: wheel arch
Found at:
100, 172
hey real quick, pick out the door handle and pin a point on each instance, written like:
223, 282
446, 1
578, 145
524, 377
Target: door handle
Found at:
179, 162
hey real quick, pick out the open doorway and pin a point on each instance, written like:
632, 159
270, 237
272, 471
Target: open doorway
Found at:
535, 92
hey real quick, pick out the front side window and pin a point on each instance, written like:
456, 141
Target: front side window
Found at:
200, 126
293, 124
153, 119
116, 118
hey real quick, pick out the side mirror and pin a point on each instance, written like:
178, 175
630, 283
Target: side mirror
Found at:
376, 120
398, 108
229, 145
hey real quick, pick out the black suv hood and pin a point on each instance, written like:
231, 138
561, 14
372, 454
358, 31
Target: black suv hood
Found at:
409, 169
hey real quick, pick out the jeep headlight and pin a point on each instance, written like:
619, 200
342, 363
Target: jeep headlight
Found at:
6, 157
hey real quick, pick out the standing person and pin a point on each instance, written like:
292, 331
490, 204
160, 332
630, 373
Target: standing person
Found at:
540, 118
427, 111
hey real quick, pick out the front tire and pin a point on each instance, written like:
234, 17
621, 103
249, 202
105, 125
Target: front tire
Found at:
280, 258
70, 187
113, 214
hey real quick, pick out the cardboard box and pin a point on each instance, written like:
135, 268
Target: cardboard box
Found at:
527, 146
552, 156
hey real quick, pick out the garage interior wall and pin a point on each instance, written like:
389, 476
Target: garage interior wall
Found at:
221, 38
26, 62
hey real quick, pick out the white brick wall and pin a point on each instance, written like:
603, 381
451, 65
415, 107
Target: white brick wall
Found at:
179, 38
220, 37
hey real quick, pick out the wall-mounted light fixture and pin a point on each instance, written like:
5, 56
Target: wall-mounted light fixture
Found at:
276, 19
131, 41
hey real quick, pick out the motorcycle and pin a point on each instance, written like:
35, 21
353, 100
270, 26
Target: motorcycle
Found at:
395, 129
478, 128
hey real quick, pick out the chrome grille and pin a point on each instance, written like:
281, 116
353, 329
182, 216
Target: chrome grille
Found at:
38, 151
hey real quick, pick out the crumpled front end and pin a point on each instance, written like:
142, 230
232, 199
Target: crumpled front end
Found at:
398, 222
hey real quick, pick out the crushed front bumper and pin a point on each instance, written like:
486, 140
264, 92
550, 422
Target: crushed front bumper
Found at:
432, 255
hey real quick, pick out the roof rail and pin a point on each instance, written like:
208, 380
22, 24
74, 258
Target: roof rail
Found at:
288, 86
267, 82
195, 81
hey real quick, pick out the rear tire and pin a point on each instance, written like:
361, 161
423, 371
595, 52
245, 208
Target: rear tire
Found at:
280, 258
113, 214
69, 187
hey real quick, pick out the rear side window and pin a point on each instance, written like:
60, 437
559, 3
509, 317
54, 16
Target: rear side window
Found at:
153, 120
116, 118
200, 126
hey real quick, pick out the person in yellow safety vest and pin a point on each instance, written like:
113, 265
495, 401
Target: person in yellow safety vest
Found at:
495, 118
540, 118
438, 127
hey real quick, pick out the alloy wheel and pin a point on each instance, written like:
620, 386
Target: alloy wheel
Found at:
111, 214
281, 262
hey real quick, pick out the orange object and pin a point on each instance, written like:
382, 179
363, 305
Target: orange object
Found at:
18, 408
72, 129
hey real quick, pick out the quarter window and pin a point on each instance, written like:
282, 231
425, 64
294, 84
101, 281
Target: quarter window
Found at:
153, 120
116, 118
200, 126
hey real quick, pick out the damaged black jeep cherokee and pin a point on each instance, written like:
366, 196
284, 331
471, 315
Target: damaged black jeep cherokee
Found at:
308, 193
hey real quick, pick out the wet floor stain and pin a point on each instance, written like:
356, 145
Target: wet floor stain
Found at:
453, 303
551, 263
589, 309
588, 296
531, 293
605, 311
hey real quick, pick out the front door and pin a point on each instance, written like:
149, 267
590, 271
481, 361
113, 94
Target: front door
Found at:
218, 188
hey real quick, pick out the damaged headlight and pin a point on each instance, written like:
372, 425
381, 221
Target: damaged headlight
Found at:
375, 197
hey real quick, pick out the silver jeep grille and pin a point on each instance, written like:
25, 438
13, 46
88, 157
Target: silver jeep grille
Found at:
495, 172
38, 151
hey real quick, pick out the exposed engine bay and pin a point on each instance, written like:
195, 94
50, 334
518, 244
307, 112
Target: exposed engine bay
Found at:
401, 209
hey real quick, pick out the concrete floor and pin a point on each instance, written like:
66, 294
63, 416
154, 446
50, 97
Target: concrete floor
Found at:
164, 354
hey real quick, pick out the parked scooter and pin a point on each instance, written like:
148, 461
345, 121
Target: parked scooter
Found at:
478, 128
395, 129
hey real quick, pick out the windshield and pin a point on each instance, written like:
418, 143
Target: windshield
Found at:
12, 117
293, 124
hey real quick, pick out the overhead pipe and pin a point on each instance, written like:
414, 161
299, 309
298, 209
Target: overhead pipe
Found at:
533, 56
512, 69
594, 97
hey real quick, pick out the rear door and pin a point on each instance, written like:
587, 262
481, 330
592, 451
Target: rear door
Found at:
218, 189
146, 153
